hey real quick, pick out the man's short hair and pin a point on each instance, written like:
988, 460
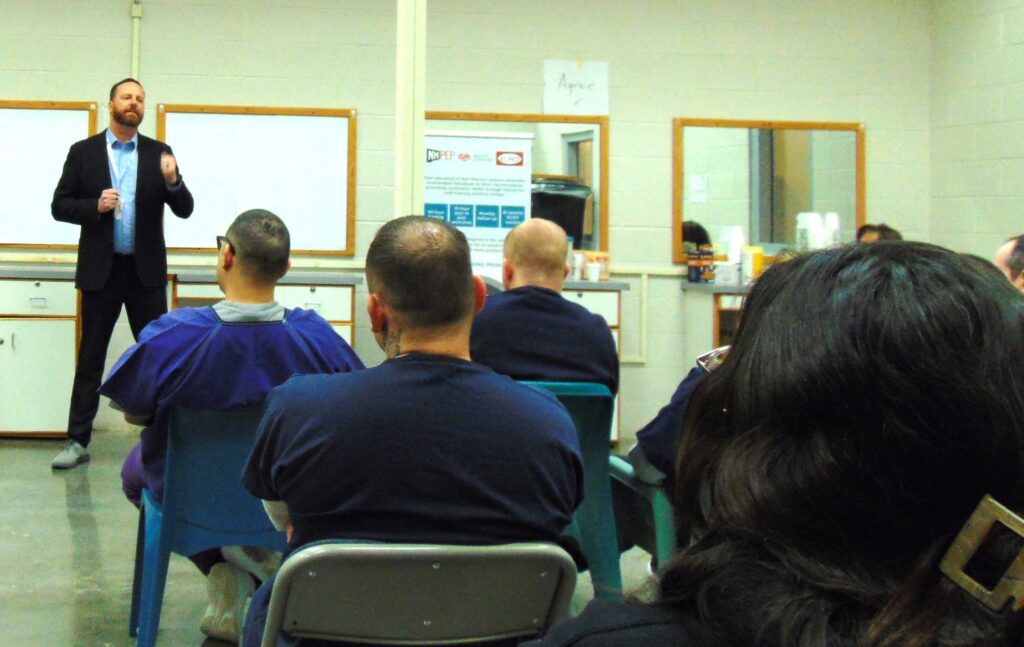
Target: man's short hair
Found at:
261, 242
884, 231
1015, 261
421, 268
113, 88
695, 234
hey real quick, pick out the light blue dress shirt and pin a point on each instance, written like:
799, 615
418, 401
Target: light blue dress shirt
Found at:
123, 159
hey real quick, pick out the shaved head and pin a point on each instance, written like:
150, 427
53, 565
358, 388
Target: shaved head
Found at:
1010, 260
536, 252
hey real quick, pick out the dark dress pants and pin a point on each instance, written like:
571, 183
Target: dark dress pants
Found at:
100, 311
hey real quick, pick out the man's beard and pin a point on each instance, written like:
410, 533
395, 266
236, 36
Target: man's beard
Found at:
125, 119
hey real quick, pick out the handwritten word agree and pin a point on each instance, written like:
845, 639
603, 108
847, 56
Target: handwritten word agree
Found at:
574, 88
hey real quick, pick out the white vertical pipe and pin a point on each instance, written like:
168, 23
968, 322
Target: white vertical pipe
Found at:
410, 105
136, 24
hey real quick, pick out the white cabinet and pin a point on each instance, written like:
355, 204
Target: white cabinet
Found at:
333, 302
38, 329
37, 368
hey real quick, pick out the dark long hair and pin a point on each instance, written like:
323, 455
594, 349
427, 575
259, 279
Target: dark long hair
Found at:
871, 398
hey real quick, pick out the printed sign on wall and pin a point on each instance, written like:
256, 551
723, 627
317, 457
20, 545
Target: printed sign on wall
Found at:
479, 182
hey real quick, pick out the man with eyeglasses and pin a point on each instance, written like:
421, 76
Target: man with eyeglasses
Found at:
222, 357
114, 186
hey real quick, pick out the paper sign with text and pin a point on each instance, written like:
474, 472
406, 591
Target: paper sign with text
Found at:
575, 88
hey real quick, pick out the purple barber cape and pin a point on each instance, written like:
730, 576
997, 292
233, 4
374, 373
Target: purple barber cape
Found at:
190, 357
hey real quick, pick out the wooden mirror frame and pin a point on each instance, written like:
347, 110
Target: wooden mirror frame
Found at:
678, 123
602, 121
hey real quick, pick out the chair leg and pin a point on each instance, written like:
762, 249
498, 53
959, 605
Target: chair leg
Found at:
140, 550
666, 543
600, 543
154, 578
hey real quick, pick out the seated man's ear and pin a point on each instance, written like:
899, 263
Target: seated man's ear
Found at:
507, 273
479, 293
375, 308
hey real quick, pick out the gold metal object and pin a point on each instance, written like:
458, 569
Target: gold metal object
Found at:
1011, 586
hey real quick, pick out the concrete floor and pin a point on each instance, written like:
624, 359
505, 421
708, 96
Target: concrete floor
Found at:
69, 547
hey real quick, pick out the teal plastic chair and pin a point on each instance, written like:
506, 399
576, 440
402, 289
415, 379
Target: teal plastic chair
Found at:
204, 505
591, 407
415, 594
658, 534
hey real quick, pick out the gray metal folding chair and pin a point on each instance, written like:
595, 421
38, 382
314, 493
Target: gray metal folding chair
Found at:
417, 594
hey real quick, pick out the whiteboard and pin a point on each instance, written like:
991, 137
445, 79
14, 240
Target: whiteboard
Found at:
34, 142
297, 163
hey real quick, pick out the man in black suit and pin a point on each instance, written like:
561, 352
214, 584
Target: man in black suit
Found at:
114, 186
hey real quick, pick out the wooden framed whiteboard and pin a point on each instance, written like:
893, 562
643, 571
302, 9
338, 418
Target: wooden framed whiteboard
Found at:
299, 163
34, 140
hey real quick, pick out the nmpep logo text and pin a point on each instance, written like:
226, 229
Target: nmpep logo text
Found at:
434, 155
509, 158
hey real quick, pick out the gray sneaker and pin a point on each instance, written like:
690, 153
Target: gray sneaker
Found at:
73, 454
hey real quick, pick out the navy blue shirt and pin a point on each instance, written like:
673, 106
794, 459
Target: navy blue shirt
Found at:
423, 448
532, 333
607, 623
660, 437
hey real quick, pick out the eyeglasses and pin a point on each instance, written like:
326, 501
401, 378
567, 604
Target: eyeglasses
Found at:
224, 239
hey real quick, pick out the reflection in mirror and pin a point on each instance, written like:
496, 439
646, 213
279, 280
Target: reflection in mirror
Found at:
570, 166
760, 175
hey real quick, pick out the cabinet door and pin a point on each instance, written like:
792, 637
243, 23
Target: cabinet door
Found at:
37, 368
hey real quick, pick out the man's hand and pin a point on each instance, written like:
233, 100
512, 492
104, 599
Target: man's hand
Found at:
169, 167
108, 200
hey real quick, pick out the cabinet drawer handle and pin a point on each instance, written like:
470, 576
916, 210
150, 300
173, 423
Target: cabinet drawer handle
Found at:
38, 284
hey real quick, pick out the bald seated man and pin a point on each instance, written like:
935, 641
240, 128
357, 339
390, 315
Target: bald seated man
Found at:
529, 332
1010, 261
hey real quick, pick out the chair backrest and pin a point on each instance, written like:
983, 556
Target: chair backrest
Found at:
420, 594
591, 406
206, 452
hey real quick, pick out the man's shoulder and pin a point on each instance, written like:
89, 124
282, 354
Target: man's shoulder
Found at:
185, 318
148, 145
97, 141
524, 299
307, 319
528, 400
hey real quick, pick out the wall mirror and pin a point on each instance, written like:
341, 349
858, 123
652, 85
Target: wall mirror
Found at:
759, 175
568, 151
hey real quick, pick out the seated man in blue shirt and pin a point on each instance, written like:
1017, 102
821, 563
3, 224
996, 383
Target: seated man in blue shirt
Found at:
224, 356
428, 447
529, 332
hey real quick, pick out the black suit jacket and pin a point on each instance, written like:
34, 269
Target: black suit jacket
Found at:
86, 175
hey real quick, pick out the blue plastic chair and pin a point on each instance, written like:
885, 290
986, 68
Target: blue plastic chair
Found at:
204, 505
591, 407
658, 536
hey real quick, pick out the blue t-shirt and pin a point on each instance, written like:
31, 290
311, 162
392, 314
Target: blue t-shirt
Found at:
533, 333
191, 357
423, 448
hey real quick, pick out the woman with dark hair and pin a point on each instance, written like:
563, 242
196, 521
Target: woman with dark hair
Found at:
871, 399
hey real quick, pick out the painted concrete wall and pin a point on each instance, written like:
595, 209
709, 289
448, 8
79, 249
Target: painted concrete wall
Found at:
870, 61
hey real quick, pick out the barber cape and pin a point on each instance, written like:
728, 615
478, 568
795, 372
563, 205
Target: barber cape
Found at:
190, 357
